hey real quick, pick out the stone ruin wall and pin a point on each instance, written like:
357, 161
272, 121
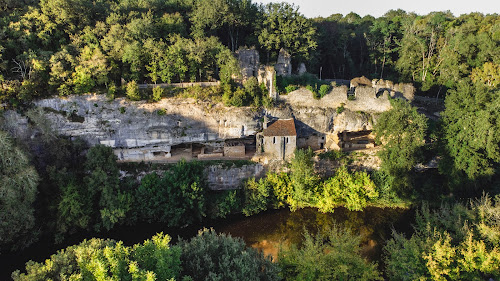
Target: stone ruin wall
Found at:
222, 178
367, 99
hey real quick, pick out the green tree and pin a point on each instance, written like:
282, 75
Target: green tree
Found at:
303, 179
221, 257
489, 74
457, 242
401, 130
284, 27
472, 131
74, 14
133, 91
334, 254
232, 17
99, 259
352, 190
258, 196
176, 198
102, 182
18, 187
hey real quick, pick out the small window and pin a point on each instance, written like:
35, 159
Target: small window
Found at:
287, 141
274, 139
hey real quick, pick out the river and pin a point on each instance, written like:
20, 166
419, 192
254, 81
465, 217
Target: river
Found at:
264, 231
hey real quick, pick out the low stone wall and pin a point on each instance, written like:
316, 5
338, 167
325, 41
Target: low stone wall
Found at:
234, 151
224, 178
211, 155
179, 85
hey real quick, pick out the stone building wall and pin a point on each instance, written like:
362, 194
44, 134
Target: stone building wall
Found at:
284, 64
224, 178
234, 151
249, 62
279, 147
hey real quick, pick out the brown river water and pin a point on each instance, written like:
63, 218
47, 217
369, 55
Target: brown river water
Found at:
265, 231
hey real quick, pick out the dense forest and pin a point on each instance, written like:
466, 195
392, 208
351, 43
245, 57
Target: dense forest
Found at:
76, 46
53, 187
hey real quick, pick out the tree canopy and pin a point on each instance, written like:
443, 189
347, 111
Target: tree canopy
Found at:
18, 189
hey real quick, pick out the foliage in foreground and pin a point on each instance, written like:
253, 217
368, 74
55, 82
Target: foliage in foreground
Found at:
458, 242
98, 259
211, 256
333, 254
206, 256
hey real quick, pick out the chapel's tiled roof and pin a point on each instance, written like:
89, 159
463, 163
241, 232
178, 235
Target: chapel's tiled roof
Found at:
284, 127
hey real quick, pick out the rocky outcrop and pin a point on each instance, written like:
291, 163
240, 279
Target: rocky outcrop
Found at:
122, 123
157, 127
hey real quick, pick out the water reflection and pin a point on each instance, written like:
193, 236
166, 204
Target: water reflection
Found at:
266, 231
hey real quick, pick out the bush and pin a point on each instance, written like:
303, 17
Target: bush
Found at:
334, 254
157, 93
111, 93
313, 91
324, 89
258, 195
340, 109
352, 190
211, 256
133, 91
290, 88
98, 259
332, 155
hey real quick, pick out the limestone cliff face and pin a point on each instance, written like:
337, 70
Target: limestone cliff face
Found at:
122, 123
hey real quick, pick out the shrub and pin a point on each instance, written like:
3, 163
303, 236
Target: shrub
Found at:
211, 256
290, 88
333, 254
122, 110
332, 155
157, 93
161, 112
352, 190
341, 108
324, 89
111, 92
133, 91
